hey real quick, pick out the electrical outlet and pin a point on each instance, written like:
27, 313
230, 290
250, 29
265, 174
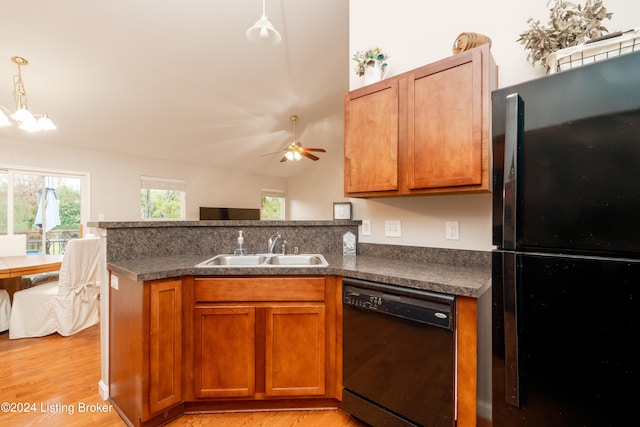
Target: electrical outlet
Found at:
366, 227
392, 229
114, 281
452, 230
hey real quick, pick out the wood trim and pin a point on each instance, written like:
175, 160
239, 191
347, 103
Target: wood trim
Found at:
467, 350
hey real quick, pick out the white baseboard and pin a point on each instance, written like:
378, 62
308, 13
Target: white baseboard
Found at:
103, 390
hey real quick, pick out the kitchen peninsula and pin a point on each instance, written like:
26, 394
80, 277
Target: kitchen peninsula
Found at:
196, 339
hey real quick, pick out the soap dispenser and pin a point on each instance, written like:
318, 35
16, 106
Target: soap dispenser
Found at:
240, 250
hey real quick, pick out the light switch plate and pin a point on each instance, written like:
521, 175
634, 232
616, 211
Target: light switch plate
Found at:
452, 230
114, 281
393, 228
366, 227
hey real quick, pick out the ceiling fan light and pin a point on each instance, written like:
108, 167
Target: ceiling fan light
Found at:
297, 156
289, 155
45, 123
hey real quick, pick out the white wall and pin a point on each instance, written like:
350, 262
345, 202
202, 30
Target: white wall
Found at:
414, 32
417, 32
115, 179
312, 193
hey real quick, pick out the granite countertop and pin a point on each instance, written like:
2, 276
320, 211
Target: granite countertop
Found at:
455, 279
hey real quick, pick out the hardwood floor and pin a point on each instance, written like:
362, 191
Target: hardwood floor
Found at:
53, 381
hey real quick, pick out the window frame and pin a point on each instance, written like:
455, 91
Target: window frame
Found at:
85, 185
169, 184
281, 194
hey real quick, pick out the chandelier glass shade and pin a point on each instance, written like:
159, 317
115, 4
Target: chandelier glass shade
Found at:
24, 119
263, 32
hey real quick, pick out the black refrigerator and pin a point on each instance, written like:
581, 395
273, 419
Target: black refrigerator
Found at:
566, 224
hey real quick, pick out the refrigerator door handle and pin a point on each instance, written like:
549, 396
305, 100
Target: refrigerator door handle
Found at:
513, 367
514, 129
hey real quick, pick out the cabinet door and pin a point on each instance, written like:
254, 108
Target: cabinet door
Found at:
224, 351
165, 344
371, 138
295, 350
445, 121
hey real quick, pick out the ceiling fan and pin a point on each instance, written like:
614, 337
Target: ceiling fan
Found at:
295, 150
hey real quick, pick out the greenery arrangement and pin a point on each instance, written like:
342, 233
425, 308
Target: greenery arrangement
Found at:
569, 24
368, 58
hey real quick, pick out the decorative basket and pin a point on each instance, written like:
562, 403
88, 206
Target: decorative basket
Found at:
615, 44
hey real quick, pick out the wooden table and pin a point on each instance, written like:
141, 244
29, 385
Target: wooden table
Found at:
12, 269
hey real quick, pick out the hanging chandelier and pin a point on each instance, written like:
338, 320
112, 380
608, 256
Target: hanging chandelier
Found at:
263, 32
22, 116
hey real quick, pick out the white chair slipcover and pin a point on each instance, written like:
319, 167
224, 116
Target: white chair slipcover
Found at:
66, 306
5, 310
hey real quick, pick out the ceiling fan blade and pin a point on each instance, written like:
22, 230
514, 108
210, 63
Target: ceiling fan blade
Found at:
322, 150
309, 155
283, 159
275, 152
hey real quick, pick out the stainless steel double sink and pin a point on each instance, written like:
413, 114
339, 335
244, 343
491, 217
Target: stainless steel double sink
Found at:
265, 260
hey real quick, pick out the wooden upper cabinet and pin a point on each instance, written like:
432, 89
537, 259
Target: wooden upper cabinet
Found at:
443, 135
371, 138
445, 124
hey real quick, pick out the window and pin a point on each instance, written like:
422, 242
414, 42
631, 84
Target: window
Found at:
272, 204
162, 198
48, 206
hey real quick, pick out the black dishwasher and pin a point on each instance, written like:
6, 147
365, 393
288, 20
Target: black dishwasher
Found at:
398, 355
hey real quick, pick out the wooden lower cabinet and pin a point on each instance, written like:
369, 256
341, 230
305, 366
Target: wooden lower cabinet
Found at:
145, 350
224, 351
273, 343
165, 344
223, 343
295, 351
291, 346
242, 343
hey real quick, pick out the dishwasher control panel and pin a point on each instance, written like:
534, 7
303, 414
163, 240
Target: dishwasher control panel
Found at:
360, 298
414, 305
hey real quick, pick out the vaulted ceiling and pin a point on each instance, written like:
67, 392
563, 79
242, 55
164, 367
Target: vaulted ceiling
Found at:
178, 80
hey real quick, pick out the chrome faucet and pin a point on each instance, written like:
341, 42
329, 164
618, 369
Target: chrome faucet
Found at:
273, 240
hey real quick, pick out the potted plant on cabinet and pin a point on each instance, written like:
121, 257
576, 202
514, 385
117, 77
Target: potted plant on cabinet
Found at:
569, 24
372, 64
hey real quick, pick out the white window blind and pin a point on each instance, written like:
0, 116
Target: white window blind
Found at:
155, 183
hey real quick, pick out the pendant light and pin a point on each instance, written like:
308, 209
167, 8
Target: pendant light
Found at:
22, 116
262, 32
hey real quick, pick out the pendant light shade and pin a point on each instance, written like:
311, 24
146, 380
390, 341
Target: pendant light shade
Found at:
263, 32
4, 120
45, 123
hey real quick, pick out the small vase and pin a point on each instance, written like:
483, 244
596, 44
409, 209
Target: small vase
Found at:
373, 74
